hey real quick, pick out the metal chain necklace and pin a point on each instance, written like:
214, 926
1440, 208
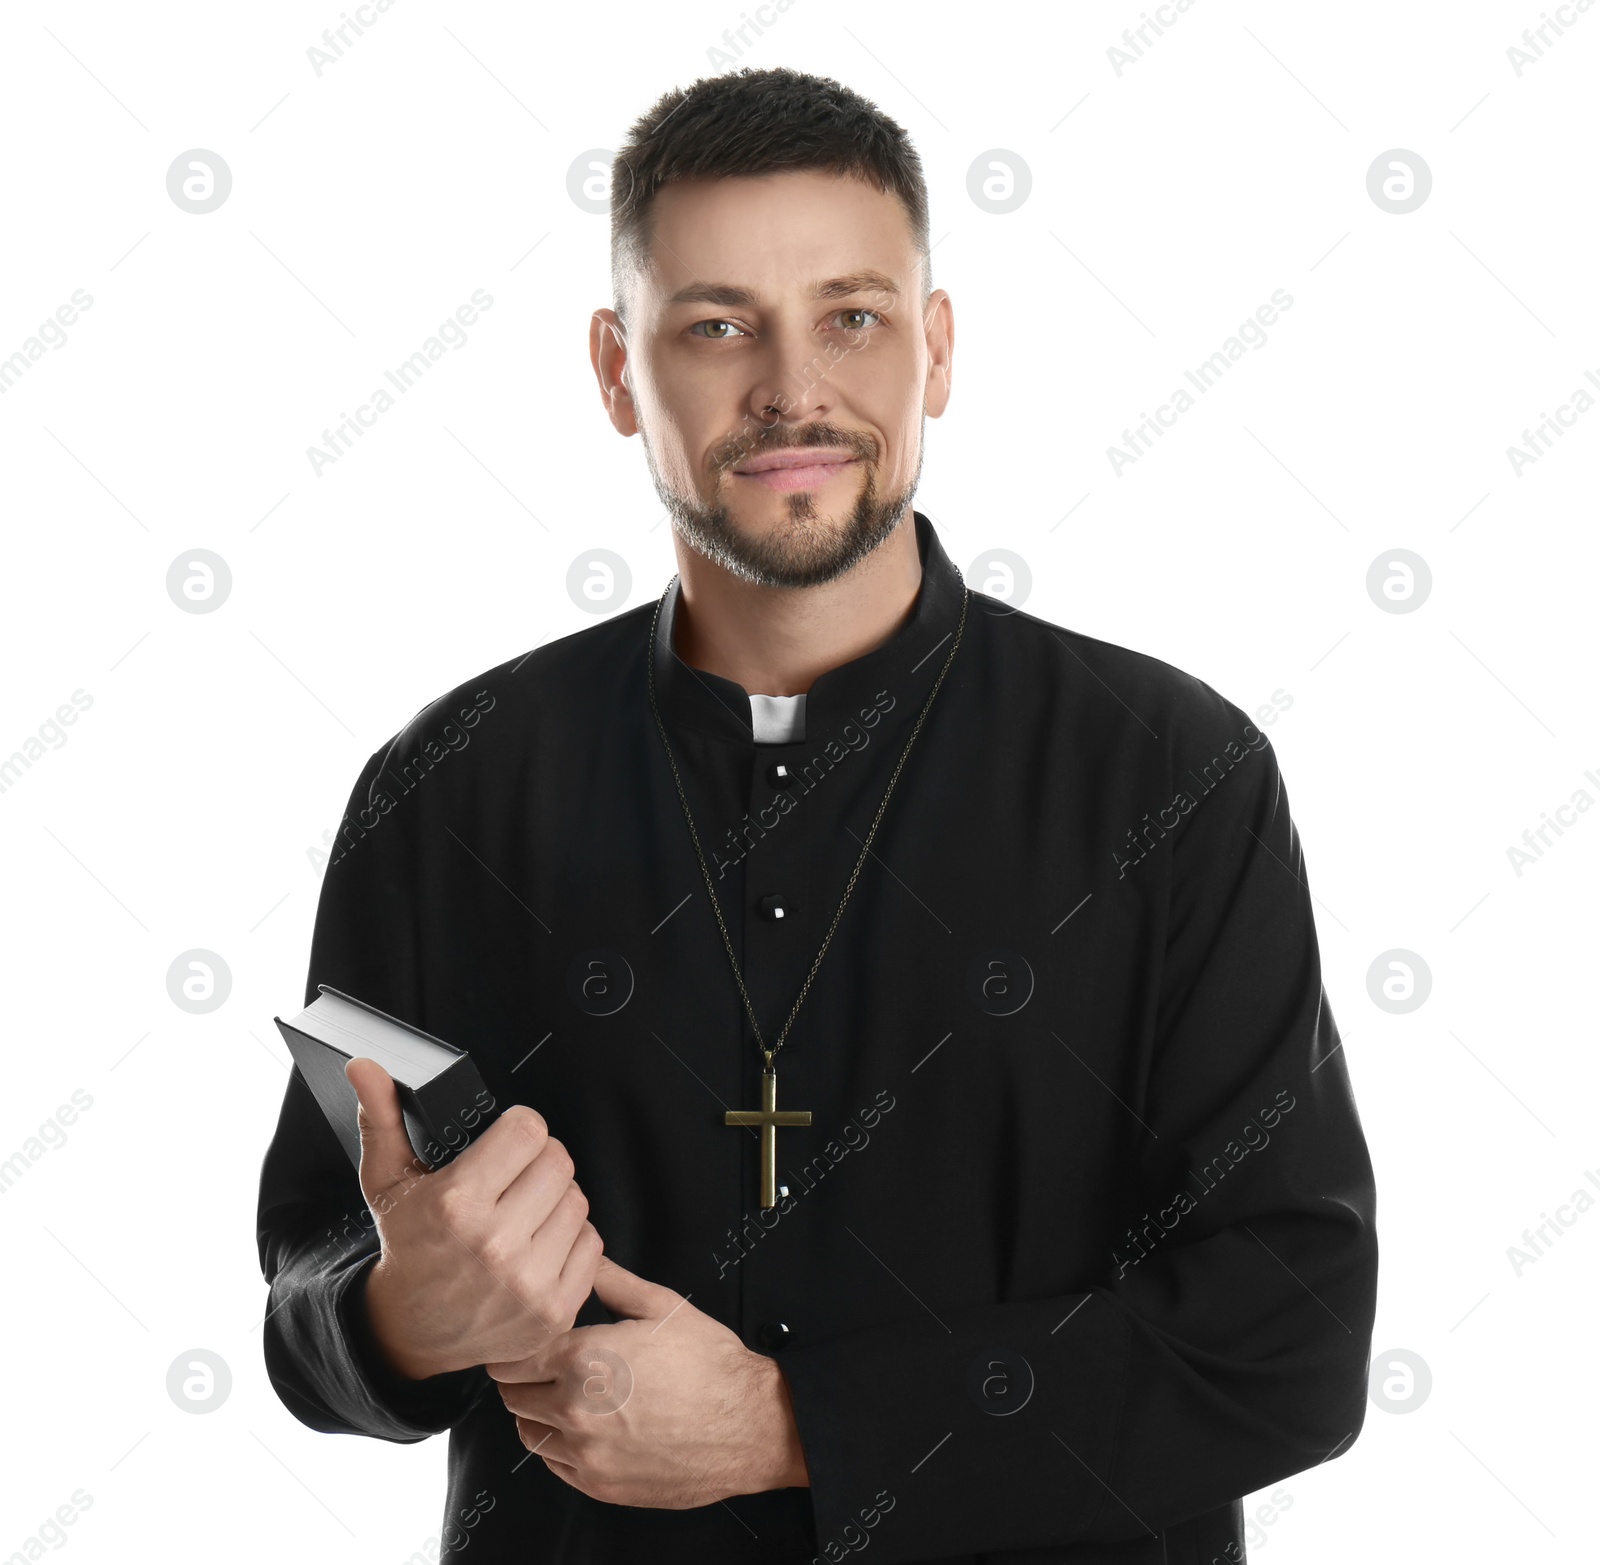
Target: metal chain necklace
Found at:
768, 1117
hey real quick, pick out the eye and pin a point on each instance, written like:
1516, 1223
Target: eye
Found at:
877, 320
715, 336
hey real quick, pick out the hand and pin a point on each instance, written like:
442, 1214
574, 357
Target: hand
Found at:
488, 1257
665, 1409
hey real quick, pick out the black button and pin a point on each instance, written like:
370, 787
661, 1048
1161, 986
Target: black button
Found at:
780, 776
774, 908
772, 1334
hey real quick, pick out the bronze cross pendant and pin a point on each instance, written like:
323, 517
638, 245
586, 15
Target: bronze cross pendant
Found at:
768, 1118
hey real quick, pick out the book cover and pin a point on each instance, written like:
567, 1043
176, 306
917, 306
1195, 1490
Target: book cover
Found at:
443, 1099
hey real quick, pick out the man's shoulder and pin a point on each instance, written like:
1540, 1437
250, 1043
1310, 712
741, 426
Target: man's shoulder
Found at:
1127, 686
578, 668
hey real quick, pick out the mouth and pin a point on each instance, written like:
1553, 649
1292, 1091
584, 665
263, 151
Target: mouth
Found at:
791, 470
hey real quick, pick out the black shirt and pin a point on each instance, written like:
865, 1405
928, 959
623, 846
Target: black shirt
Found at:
1078, 1248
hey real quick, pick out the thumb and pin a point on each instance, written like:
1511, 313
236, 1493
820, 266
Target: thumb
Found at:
629, 1295
386, 1151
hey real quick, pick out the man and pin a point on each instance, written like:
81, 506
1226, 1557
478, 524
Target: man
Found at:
925, 998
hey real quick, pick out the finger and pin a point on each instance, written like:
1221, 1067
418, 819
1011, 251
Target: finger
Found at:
583, 1259
531, 1368
526, 1274
630, 1295
536, 1399
532, 1194
501, 1153
387, 1156
547, 1442
550, 1246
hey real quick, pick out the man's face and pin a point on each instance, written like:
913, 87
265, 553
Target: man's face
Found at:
801, 293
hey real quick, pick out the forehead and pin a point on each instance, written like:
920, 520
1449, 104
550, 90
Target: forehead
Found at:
774, 234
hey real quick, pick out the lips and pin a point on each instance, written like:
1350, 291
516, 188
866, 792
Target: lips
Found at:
815, 457
796, 470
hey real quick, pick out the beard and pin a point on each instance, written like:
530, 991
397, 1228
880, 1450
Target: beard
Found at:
808, 547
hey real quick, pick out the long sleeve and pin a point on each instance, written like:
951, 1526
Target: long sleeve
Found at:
1225, 1345
317, 1240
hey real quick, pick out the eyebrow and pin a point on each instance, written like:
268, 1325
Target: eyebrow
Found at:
731, 296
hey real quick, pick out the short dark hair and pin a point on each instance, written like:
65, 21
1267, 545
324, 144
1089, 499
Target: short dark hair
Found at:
750, 122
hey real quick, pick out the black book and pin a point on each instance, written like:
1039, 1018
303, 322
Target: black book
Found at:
442, 1097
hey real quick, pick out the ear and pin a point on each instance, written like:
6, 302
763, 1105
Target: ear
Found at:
608, 353
939, 328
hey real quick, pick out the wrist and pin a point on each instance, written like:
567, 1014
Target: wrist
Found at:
788, 1464
384, 1326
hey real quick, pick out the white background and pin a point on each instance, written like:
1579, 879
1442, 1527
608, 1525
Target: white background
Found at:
1168, 202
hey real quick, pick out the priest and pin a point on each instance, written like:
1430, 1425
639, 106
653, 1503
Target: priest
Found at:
922, 1124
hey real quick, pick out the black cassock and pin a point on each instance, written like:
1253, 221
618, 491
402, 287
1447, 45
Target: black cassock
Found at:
1078, 1247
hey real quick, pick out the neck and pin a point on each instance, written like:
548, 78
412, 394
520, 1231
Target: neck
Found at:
776, 640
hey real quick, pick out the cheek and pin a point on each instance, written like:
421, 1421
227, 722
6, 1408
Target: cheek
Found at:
887, 399
899, 461
669, 442
686, 420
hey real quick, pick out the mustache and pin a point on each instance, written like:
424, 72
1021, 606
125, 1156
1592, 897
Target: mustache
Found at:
797, 438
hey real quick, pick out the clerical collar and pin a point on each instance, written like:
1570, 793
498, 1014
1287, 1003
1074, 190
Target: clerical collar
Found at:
901, 670
778, 719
